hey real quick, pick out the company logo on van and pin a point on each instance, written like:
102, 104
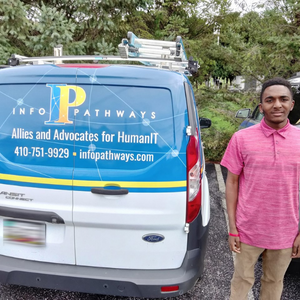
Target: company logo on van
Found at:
153, 238
59, 102
63, 97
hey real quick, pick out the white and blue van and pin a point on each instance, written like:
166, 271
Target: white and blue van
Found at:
102, 180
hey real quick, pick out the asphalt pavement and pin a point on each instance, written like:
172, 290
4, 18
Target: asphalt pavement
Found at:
215, 282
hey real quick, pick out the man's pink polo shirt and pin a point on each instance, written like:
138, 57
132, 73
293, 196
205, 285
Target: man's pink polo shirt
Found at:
268, 164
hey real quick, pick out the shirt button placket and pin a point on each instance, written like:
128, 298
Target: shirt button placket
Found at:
275, 146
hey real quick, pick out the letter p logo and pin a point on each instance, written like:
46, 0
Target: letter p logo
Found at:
59, 102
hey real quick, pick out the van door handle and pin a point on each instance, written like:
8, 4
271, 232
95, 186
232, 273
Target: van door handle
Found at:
35, 215
102, 191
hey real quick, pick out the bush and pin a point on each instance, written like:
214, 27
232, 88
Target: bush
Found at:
221, 106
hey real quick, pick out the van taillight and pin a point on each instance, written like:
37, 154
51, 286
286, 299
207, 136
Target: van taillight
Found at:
193, 179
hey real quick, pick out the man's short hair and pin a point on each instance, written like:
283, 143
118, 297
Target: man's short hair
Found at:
276, 81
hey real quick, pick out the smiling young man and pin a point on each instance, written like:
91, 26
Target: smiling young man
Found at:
262, 194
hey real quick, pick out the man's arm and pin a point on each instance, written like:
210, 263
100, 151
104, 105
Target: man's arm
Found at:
232, 189
296, 247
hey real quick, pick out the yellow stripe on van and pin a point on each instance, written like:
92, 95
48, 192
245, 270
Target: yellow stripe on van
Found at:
90, 183
132, 184
41, 180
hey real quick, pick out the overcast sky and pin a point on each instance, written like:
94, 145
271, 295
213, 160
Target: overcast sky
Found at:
246, 5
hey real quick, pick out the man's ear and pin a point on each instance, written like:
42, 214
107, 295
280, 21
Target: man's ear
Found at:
293, 103
260, 108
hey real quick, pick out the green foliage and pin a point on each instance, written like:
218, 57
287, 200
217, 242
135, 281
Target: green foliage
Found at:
221, 106
175, 27
226, 43
13, 16
13, 27
34, 27
263, 45
105, 48
52, 28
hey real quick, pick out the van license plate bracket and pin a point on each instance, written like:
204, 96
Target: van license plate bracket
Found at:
24, 232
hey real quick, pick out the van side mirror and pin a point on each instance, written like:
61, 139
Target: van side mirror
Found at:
243, 113
204, 123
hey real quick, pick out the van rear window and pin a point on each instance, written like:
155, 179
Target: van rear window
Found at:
89, 131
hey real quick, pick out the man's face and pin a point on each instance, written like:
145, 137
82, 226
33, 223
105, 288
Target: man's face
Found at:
277, 102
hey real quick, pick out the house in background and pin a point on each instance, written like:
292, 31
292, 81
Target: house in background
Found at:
241, 83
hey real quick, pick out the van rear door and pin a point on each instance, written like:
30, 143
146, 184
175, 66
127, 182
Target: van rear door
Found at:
36, 165
130, 170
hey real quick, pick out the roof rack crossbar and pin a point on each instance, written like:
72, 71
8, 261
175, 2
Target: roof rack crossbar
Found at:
155, 53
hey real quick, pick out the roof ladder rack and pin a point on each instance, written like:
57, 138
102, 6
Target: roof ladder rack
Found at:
156, 53
171, 55
135, 47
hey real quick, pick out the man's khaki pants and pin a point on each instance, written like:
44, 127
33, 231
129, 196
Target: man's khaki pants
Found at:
275, 264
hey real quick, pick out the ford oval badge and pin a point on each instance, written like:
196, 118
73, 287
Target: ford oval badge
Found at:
153, 238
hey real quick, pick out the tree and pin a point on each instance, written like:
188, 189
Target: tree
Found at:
34, 27
257, 44
14, 27
53, 28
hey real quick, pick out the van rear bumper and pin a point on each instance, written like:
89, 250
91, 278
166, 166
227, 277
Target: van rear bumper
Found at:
118, 282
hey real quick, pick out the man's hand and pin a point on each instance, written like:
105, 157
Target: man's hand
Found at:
234, 244
296, 247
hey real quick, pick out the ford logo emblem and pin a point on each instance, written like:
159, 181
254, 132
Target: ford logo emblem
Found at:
153, 238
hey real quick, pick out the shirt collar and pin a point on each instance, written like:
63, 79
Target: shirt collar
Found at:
267, 130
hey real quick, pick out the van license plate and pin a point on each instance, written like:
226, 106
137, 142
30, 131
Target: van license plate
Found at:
24, 232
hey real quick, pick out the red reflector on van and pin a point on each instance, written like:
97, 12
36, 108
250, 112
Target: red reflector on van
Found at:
167, 289
94, 66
